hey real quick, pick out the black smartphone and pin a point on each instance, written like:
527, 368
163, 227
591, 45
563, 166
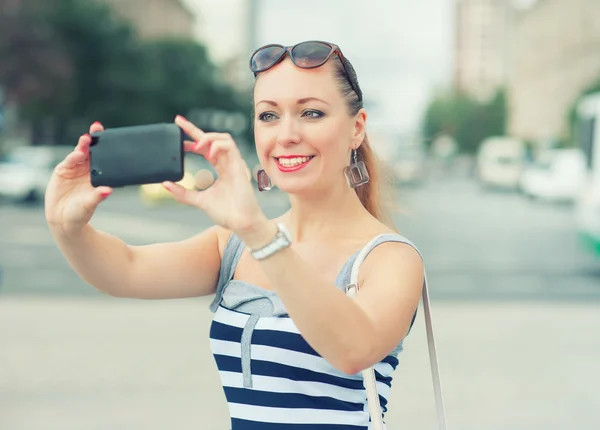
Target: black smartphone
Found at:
137, 155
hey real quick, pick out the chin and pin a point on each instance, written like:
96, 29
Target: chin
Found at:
305, 186
295, 187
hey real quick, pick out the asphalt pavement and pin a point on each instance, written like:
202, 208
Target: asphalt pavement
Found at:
516, 316
477, 245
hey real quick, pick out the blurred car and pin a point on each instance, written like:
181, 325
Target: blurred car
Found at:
409, 165
198, 174
26, 170
156, 194
501, 162
558, 177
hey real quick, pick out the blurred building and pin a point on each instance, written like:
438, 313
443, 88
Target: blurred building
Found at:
228, 28
556, 56
157, 18
481, 57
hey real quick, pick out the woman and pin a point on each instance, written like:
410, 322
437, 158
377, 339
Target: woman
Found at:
288, 343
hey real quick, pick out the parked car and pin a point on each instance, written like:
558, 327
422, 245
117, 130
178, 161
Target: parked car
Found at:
558, 177
409, 164
501, 162
197, 173
26, 170
155, 194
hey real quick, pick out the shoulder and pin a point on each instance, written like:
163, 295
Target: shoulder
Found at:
392, 255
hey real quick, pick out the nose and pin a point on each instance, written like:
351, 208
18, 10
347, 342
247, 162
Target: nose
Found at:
289, 132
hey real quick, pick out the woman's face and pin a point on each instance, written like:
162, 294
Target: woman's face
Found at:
303, 130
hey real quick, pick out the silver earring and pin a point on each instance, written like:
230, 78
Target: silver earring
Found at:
263, 181
356, 173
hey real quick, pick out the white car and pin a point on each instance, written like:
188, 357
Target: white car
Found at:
501, 162
26, 170
408, 167
559, 177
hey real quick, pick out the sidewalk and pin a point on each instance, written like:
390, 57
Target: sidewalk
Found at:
75, 364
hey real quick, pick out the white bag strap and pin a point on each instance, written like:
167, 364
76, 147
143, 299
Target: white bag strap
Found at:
369, 374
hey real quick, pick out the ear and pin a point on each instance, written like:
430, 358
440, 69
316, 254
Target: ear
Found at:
359, 128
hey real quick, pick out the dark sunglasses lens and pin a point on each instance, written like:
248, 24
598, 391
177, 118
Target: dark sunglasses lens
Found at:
310, 54
265, 58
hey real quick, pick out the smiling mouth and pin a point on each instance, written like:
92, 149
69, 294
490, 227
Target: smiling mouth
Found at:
291, 162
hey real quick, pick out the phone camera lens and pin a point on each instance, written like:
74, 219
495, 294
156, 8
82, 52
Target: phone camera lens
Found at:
96, 172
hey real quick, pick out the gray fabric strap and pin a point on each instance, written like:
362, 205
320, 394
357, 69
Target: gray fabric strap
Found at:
231, 255
247, 350
369, 374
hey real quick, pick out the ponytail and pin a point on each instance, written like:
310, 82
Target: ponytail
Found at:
375, 194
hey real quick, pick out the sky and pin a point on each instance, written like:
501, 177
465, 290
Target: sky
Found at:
401, 49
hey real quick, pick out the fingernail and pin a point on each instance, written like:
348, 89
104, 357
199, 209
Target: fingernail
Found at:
97, 123
105, 193
181, 117
87, 134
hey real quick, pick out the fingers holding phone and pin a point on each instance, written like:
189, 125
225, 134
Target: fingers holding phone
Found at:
188, 128
229, 201
70, 199
96, 127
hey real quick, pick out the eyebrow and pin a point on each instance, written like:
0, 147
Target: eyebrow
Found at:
300, 101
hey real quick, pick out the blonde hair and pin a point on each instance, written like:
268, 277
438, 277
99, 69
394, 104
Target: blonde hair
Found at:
375, 195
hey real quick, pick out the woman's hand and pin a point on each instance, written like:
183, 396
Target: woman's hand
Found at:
230, 201
70, 199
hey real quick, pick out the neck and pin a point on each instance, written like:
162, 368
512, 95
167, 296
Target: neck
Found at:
324, 214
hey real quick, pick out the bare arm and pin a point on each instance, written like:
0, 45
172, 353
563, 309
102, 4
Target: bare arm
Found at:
352, 334
189, 268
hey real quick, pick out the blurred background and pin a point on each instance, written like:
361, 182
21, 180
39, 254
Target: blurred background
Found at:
485, 114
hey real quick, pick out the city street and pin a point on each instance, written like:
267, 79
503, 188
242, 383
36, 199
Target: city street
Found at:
465, 99
476, 244
516, 307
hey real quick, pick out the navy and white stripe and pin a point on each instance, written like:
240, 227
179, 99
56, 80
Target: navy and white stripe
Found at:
272, 378
290, 382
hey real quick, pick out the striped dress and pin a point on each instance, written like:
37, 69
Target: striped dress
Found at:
271, 376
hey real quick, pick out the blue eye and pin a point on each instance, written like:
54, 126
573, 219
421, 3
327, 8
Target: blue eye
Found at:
267, 116
313, 114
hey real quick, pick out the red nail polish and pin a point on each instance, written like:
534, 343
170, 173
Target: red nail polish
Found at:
97, 123
106, 193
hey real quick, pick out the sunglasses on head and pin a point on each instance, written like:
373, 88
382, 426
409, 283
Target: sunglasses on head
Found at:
306, 55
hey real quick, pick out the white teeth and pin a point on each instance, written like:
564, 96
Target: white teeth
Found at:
292, 162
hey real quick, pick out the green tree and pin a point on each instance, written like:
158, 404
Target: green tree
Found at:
183, 78
34, 66
114, 76
464, 118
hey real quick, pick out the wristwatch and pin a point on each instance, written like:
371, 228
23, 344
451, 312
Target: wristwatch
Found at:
282, 240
